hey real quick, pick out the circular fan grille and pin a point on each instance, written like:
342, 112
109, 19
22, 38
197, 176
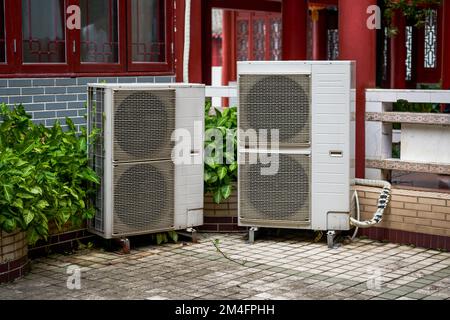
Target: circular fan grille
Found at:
142, 199
282, 196
278, 102
141, 125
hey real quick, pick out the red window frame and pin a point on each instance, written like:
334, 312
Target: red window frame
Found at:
64, 67
89, 67
152, 66
73, 65
8, 65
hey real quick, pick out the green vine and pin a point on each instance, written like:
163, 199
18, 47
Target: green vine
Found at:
415, 11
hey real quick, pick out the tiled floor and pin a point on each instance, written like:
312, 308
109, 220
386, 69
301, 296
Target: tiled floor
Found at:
273, 268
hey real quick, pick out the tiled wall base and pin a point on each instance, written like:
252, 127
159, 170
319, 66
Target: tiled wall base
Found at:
410, 238
221, 224
63, 242
13, 270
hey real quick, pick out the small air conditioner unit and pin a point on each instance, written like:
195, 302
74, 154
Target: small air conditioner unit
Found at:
142, 190
311, 103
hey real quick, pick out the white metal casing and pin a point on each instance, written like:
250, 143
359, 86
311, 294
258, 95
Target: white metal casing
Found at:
332, 129
188, 178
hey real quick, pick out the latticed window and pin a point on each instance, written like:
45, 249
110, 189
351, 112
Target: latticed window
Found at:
409, 52
44, 40
333, 44
99, 31
431, 39
148, 32
258, 36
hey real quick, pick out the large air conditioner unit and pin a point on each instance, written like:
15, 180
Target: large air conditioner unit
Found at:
311, 103
142, 189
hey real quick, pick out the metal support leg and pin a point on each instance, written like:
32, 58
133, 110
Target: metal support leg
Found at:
190, 233
331, 235
125, 245
251, 235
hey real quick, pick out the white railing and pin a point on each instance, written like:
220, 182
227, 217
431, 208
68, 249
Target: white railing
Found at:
424, 138
218, 92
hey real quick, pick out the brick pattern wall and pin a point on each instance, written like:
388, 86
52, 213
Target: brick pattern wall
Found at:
221, 217
410, 214
48, 99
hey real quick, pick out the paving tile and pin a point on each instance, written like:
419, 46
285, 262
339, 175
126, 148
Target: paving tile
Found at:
276, 268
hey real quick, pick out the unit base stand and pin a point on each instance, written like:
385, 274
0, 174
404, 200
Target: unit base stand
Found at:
190, 233
251, 234
124, 244
331, 237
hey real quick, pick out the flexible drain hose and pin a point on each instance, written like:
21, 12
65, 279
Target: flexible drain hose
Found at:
383, 202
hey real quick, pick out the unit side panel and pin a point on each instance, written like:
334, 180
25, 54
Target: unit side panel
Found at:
189, 184
331, 152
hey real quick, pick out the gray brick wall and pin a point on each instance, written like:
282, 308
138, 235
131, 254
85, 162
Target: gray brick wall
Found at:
49, 99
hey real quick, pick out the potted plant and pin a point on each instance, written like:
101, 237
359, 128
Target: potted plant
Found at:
44, 178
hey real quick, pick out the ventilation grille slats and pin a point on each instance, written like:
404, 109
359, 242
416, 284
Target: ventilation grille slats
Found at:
280, 102
143, 123
143, 197
283, 197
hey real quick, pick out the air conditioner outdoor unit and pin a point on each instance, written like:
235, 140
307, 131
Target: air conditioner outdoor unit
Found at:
311, 103
142, 189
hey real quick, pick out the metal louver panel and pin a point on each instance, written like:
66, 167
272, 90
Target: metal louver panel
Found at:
277, 102
143, 123
143, 198
96, 153
276, 200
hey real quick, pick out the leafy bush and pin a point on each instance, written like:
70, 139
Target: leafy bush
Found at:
220, 164
44, 175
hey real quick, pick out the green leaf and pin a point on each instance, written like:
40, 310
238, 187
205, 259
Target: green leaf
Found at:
35, 190
24, 195
9, 225
233, 167
89, 175
33, 236
217, 197
222, 172
159, 238
42, 204
7, 191
18, 203
226, 191
28, 216
173, 235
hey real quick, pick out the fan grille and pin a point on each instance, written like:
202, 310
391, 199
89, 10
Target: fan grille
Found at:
143, 125
143, 198
283, 197
277, 102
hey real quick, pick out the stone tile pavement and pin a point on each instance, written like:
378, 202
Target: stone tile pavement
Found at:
288, 267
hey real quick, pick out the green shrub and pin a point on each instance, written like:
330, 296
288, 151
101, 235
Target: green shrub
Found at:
220, 166
44, 175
